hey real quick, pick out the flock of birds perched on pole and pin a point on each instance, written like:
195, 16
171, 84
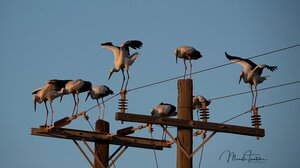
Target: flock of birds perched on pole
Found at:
251, 75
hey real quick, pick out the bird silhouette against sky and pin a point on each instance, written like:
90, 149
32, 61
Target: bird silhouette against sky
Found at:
251, 73
75, 87
48, 93
99, 92
122, 57
187, 53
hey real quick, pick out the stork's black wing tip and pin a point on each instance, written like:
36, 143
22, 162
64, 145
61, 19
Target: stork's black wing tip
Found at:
228, 56
106, 43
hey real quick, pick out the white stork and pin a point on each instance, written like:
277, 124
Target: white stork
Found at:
122, 57
187, 53
198, 102
162, 110
98, 92
48, 93
251, 73
75, 87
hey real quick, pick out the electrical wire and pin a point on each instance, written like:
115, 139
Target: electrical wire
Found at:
200, 71
266, 88
201, 154
263, 106
103, 102
208, 69
154, 152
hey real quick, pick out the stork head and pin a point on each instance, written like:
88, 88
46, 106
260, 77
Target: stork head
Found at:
241, 76
176, 54
153, 111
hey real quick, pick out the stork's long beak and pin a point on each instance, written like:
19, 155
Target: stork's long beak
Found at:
87, 96
240, 79
176, 59
61, 97
111, 72
34, 104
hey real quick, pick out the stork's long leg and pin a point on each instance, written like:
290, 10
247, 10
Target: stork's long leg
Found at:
128, 77
51, 112
103, 109
198, 115
164, 134
46, 112
254, 105
252, 94
184, 68
77, 103
74, 103
98, 109
123, 80
190, 68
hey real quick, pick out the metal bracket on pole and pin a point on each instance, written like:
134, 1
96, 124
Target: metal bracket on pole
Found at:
177, 143
96, 157
117, 157
204, 142
84, 154
180, 146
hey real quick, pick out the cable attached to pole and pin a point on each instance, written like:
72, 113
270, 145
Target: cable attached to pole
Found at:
154, 152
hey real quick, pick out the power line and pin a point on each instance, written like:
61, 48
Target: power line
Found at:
263, 106
266, 88
215, 67
102, 103
200, 71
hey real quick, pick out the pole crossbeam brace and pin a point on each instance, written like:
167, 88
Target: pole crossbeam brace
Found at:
90, 136
210, 126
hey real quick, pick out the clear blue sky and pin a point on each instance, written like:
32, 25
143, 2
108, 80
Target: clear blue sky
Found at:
42, 40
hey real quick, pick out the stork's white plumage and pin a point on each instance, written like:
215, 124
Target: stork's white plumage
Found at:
75, 87
251, 73
187, 53
98, 92
48, 93
162, 110
122, 57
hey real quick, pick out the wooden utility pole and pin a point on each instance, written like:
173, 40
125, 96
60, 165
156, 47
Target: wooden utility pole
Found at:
101, 147
185, 111
184, 123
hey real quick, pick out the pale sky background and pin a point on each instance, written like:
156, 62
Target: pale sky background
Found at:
42, 40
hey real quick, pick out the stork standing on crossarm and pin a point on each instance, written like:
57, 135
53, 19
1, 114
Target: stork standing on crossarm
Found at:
162, 110
75, 87
251, 73
48, 93
187, 53
122, 57
98, 92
